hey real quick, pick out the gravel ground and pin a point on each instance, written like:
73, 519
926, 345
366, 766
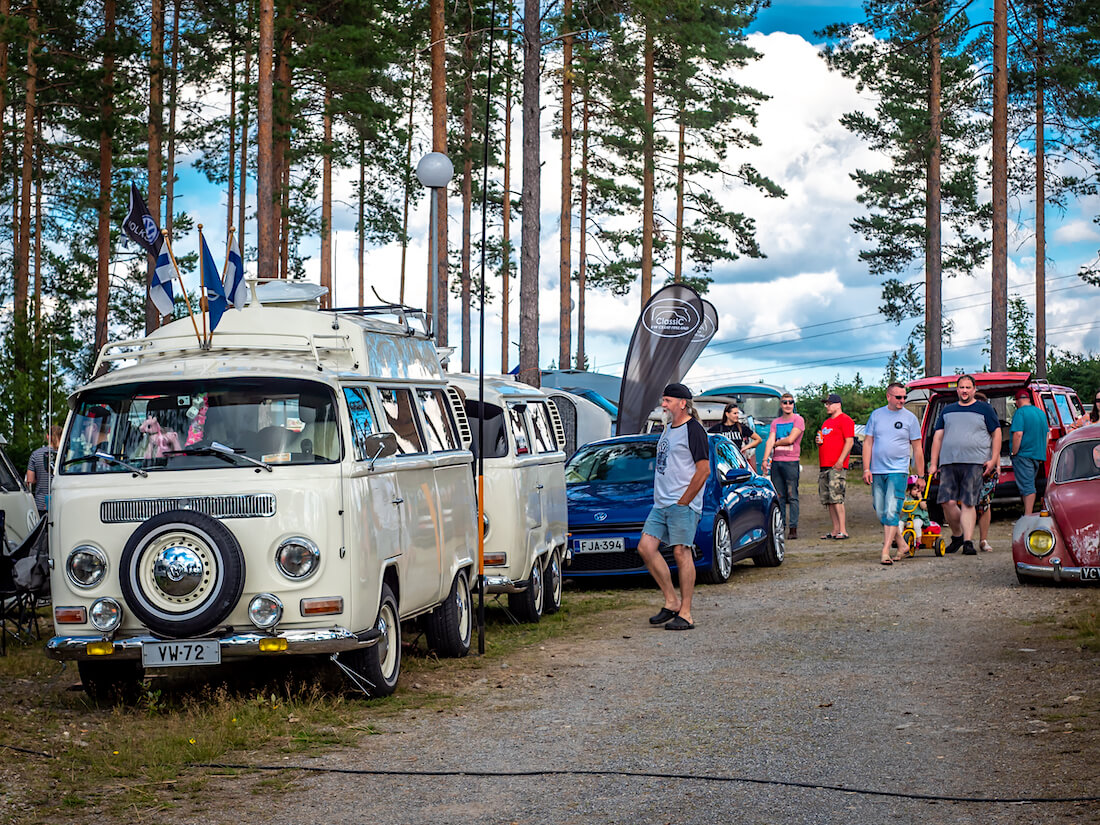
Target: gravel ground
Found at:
829, 690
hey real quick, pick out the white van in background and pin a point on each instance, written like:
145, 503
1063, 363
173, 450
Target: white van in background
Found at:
16, 503
302, 485
525, 509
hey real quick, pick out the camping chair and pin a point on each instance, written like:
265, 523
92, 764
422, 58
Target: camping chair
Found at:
24, 585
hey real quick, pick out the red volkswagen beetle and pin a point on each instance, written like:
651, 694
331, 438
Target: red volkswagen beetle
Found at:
1062, 543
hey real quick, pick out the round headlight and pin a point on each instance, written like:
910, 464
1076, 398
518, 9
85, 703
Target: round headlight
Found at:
1040, 542
105, 615
297, 557
86, 566
265, 611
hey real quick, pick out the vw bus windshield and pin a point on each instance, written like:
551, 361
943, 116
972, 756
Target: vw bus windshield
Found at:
201, 424
763, 408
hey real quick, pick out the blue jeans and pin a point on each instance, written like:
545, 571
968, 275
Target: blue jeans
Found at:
887, 490
784, 476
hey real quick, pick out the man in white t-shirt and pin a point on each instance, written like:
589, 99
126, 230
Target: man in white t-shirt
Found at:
892, 432
683, 466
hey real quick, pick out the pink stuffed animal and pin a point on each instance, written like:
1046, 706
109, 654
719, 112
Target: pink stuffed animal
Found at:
160, 441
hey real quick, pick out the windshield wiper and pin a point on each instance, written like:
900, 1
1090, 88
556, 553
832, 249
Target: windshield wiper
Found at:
99, 456
221, 451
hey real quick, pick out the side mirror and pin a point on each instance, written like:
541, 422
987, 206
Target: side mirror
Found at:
737, 475
380, 445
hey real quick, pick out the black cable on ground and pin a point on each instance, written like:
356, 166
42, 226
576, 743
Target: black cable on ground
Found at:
655, 775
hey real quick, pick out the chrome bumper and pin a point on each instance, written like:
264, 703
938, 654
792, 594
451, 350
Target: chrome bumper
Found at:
503, 584
1056, 571
239, 645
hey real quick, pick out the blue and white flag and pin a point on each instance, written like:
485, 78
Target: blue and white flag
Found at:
234, 278
215, 291
160, 288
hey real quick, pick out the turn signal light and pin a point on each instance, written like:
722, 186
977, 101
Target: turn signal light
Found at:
272, 645
100, 648
70, 615
322, 606
496, 559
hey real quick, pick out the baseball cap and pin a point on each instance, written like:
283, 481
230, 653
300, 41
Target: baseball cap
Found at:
832, 399
677, 391
1021, 393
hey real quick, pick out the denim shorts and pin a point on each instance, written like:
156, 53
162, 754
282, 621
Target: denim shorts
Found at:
1027, 471
961, 483
887, 490
673, 525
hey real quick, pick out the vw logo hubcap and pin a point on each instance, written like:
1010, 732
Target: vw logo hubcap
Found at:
177, 570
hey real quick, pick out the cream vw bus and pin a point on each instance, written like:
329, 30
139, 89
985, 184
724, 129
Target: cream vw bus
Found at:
301, 486
525, 509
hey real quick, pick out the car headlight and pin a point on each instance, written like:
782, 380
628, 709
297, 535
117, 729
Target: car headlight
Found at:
86, 566
1040, 542
105, 615
265, 611
297, 557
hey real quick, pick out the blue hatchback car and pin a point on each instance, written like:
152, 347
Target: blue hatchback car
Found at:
609, 487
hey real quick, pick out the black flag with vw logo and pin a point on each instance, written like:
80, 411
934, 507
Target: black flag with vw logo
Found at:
139, 225
663, 334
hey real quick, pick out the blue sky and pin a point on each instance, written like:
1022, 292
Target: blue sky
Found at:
807, 313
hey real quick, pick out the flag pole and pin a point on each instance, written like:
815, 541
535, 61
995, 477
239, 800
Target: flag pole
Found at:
179, 276
203, 302
228, 246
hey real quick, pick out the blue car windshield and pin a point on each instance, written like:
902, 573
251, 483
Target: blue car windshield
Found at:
621, 463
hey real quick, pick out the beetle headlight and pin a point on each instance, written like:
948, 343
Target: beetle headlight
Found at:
265, 611
105, 615
86, 566
1040, 542
297, 557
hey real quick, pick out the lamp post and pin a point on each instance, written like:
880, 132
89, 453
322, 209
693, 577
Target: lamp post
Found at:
434, 171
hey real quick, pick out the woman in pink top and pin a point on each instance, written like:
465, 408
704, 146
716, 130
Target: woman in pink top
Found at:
781, 455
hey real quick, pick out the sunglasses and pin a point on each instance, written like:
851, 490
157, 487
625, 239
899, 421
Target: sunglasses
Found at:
786, 401
900, 397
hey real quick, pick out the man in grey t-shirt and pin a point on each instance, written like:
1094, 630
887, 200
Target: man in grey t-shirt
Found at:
40, 470
966, 447
683, 466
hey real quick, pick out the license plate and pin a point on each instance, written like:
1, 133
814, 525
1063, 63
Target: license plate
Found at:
1090, 574
181, 654
615, 545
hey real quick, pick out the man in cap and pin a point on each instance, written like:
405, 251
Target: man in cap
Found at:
834, 443
1029, 446
683, 466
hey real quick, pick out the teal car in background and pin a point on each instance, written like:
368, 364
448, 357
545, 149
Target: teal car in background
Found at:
761, 401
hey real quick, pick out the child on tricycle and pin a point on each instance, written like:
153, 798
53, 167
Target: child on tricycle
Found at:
917, 527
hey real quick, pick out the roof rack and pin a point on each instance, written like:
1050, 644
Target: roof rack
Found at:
400, 311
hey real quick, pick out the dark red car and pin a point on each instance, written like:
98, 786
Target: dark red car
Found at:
1062, 542
1061, 405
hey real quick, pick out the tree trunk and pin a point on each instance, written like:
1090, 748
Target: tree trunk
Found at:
23, 247
170, 171
408, 186
37, 232
155, 134
103, 233
439, 144
648, 161
467, 184
506, 206
529, 238
998, 327
282, 96
244, 133
933, 225
681, 159
266, 219
5, 10
565, 266
1040, 202
582, 251
230, 178
326, 204
363, 228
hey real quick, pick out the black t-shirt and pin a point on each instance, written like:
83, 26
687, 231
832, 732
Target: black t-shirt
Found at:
740, 433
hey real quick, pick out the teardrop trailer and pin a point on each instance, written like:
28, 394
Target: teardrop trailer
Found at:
301, 486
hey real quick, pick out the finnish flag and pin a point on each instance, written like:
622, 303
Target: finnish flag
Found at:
160, 288
234, 278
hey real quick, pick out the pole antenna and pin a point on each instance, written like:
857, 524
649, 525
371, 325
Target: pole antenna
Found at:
481, 347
